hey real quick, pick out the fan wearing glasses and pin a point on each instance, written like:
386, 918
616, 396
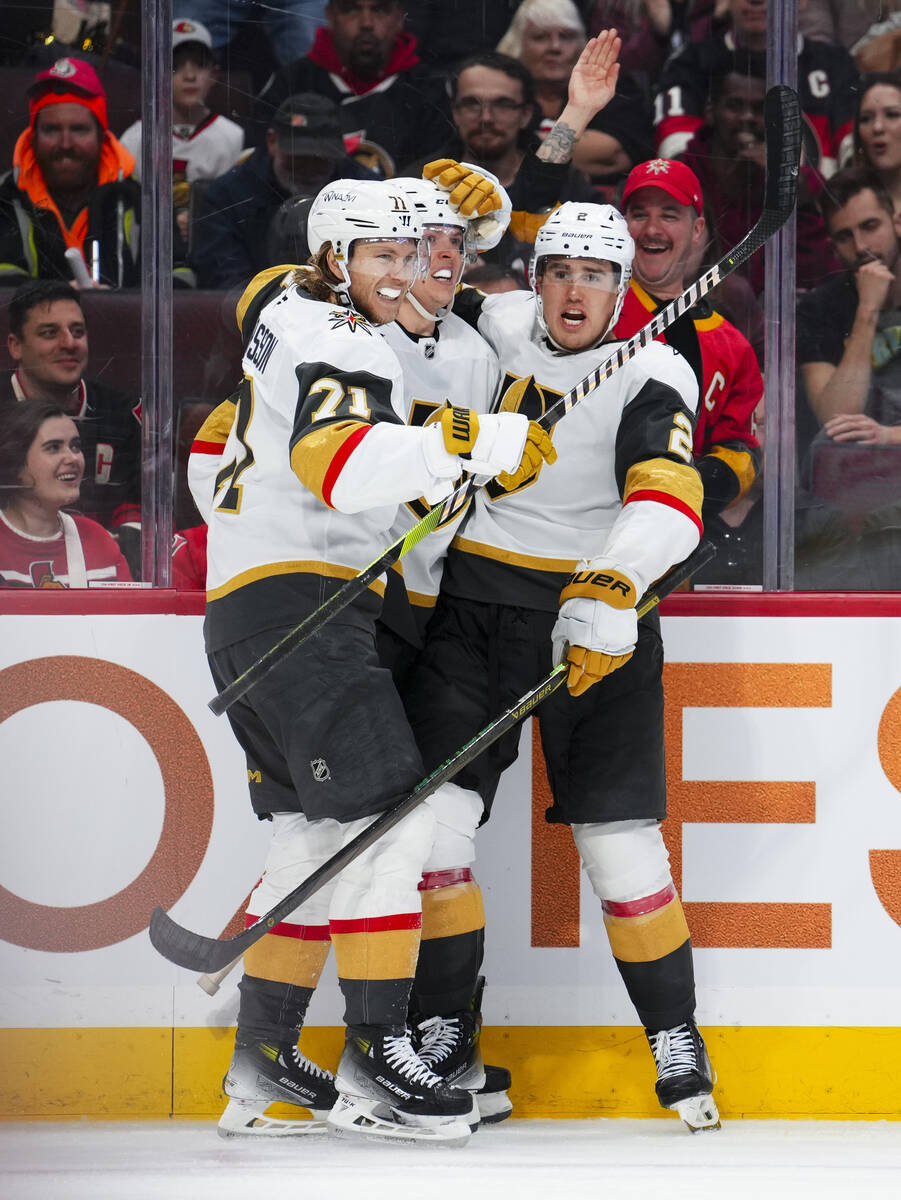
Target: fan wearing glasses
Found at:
494, 113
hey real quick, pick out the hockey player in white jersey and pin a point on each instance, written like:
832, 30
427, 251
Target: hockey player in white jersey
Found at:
553, 569
444, 361
316, 463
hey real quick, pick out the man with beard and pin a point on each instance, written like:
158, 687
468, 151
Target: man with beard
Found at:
849, 350
493, 103
303, 151
70, 185
364, 61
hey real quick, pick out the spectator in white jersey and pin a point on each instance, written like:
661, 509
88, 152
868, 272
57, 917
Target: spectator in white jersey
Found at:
204, 144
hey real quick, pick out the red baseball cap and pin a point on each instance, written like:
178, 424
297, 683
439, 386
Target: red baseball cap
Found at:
672, 177
69, 81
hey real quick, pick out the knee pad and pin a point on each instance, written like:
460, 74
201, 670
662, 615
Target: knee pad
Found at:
625, 860
384, 879
297, 849
457, 814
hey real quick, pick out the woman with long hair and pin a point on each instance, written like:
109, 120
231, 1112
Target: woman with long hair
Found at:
41, 468
877, 129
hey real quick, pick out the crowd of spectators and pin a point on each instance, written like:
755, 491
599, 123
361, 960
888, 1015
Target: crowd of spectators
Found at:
270, 102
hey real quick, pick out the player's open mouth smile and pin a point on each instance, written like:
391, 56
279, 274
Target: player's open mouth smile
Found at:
443, 276
656, 247
572, 318
388, 293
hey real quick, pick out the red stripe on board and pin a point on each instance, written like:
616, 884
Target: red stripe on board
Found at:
304, 933
638, 908
378, 924
670, 500
440, 879
336, 466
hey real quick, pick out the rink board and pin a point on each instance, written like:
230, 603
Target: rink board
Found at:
784, 771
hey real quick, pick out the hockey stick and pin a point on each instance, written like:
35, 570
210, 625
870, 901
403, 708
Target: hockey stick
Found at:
782, 118
213, 956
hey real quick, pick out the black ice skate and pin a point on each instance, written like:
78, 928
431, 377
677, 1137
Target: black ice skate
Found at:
386, 1091
262, 1074
685, 1077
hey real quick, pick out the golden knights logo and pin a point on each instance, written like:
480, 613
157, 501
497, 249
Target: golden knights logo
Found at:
422, 413
523, 395
341, 317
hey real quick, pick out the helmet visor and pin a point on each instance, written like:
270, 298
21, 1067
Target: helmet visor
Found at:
579, 272
402, 259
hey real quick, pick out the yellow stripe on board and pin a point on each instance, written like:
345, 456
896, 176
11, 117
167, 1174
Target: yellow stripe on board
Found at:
558, 1071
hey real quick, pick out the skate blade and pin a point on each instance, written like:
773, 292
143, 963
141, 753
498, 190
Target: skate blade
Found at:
368, 1120
493, 1107
250, 1118
699, 1113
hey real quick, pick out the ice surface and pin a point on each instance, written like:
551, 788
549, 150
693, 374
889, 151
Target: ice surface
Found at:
601, 1159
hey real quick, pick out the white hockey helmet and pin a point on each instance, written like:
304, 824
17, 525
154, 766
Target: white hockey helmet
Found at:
349, 209
579, 230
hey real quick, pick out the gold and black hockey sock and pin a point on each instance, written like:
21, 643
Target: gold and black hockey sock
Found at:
652, 948
376, 958
453, 942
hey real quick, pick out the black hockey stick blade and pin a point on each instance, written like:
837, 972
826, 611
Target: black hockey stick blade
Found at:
782, 121
209, 955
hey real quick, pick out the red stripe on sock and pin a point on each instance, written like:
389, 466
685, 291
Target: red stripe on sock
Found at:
440, 879
305, 933
638, 908
378, 924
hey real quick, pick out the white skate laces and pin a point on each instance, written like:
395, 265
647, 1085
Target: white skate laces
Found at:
310, 1067
674, 1052
440, 1037
400, 1055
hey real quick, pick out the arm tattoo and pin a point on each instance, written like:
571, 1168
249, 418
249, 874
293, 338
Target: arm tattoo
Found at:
558, 145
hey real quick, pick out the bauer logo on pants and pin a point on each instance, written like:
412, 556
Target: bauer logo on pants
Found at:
320, 770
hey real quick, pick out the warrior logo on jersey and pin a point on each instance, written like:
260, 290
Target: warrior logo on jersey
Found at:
42, 575
339, 318
523, 395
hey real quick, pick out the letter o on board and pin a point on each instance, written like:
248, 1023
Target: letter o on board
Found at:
188, 786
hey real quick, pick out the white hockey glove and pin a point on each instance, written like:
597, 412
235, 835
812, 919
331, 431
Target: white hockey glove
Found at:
487, 443
597, 628
475, 194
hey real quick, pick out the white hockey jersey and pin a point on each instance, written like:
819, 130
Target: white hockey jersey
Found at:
205, 151
454, 366
626, 446
319, 433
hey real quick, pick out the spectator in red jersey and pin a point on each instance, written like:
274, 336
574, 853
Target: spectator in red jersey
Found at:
663, 206
728, 155
41, 545
827, 83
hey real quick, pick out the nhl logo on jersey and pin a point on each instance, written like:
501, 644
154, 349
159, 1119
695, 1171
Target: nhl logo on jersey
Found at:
339, 318
320, 770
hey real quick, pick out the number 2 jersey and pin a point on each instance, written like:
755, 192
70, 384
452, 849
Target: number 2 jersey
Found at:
623, 483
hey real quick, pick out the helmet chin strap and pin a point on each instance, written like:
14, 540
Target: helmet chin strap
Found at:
424, 312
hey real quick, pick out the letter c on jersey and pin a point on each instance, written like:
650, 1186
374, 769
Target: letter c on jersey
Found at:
188, 786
